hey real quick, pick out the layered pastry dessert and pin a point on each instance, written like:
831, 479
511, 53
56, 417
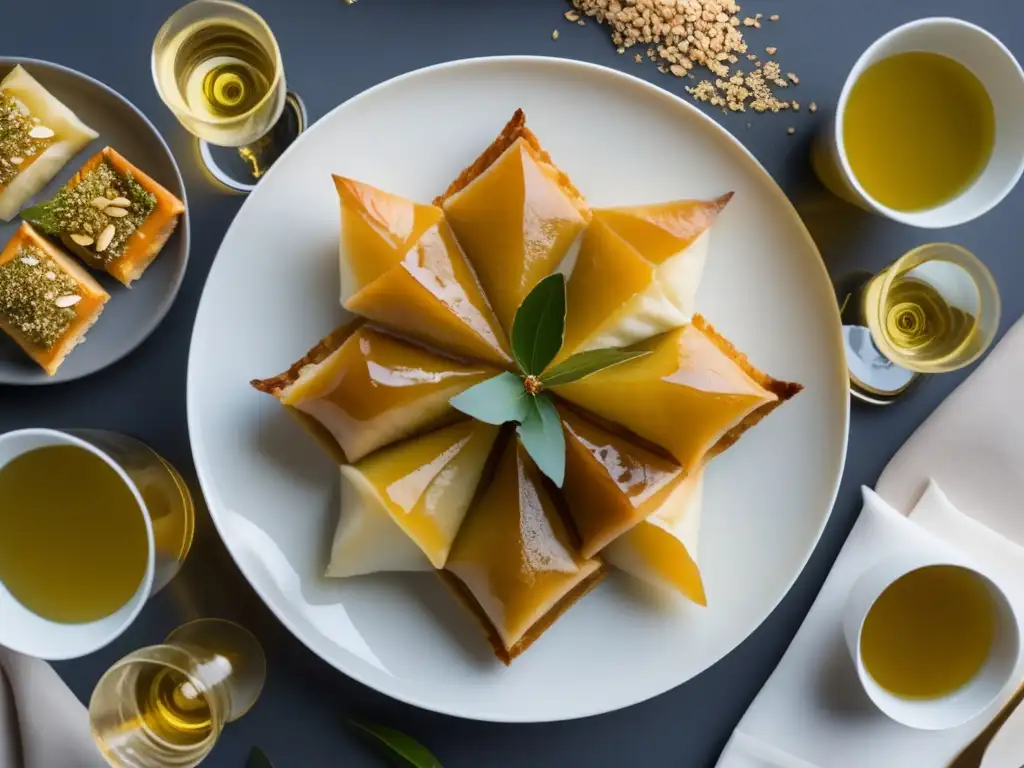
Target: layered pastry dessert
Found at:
111, 215
47, 300
437, 288
38, 135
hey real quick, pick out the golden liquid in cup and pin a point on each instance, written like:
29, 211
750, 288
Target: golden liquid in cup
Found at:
73, 542
929, 633
918, 129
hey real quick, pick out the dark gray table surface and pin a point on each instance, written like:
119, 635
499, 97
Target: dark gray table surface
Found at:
332, 51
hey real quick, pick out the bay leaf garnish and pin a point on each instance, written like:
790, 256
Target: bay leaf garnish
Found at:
539, 325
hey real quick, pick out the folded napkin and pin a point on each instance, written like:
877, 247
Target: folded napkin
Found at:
42, 724
972, 445
812, 712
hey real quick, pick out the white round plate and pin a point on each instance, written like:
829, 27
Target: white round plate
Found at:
273, 293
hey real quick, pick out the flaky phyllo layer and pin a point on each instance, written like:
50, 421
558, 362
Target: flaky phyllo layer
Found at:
436, 287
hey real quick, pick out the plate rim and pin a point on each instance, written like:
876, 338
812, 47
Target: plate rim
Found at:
185, 227
205, 478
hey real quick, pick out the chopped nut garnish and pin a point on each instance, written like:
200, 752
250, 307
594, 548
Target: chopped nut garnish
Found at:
685, 35
812, 107
773, 17
796, 106
554, 35
27, 291
795, 80
791, 130
770, 50
638, 59
572, 16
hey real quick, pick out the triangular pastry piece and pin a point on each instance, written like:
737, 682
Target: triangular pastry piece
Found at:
402, 267
40, 135
662, 550
372, 389
637, 272
514, 564
422, 486
694, 395
516, 215
611, 483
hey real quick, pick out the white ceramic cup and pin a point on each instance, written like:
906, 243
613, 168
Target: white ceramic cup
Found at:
993, 64
992, 681
26, 632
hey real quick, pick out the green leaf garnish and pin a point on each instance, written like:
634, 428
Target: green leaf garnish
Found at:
43, 217
257, 759
494, 401
585, 363
539, 325
542, 437
404, 746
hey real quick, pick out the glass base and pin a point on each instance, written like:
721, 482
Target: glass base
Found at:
240, 168
874, 378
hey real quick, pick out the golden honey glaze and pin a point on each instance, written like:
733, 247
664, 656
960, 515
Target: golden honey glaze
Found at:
514, 553
426, 483
376, 389
379, 227
433, 295
611, 483
662, 230
682, 397
516, 224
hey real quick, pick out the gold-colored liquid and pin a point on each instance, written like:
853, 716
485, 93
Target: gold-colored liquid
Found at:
218, 75
929, 633
73, 545
915, 324
172, 707
918, 129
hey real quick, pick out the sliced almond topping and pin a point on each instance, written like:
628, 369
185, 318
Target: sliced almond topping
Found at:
41, 132
100, 202
121, 202
17, 160
103, 241
67, 301
82, 240
29, 260
115, 212
51, 275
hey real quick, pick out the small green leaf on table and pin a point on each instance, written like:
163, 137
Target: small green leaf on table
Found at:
542, 437
539, 325
585, 363
494, 401
257, 759
401, 745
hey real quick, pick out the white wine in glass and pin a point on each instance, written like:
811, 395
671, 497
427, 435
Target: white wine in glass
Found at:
935, 309
218, 68
165, 706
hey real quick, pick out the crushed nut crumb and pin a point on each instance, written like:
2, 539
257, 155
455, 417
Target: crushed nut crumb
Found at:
791, 130
812, 107
554, 35
685, 35
796, 106
793, 78
572, 16
770, 50
773, 17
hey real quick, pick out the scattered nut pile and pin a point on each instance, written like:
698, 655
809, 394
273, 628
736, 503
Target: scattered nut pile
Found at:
682, 35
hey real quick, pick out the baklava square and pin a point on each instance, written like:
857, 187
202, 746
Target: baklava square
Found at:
111, 215
47, 300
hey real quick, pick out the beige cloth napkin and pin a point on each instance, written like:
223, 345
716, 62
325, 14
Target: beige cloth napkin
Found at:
42, 724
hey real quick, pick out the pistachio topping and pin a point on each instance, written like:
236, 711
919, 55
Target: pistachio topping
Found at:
37, 297
20, 137
99, 213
